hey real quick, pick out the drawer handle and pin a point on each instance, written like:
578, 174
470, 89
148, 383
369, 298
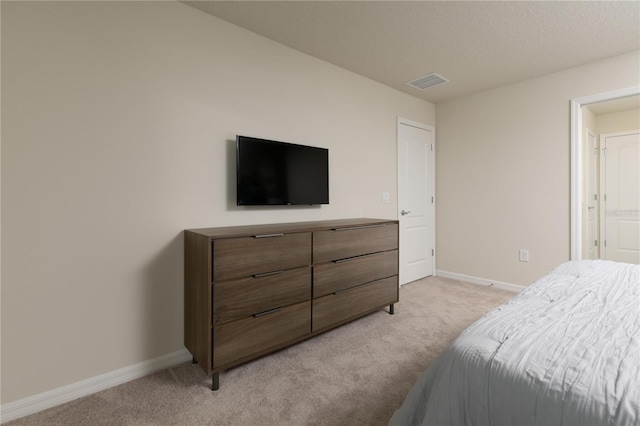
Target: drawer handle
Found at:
350, 288
268, 235
353, 228
266, 274
263, 313
349, 259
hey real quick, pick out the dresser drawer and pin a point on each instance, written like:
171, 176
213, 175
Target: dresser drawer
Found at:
250, 336
236, 299
353, 302
244, 257
342, 243
350, 272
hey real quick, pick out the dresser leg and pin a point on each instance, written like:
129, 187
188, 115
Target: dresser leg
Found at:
193, 360
391, 309
215, 381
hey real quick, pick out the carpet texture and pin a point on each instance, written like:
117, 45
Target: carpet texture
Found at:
357, 374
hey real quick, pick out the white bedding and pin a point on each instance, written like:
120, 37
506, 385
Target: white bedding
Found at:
564, 351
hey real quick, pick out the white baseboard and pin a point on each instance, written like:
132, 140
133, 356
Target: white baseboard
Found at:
42, 401
481, 281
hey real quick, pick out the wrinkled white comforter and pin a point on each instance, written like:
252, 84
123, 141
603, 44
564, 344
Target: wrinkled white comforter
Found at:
565, 351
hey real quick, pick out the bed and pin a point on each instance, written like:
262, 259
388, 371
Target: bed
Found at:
566, 350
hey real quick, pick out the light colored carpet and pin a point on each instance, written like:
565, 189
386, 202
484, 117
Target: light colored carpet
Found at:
357, 374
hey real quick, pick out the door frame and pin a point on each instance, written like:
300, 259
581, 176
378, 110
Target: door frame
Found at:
585, 208
576, 160
431, 175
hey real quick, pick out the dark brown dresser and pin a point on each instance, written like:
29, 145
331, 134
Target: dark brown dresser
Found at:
251, 290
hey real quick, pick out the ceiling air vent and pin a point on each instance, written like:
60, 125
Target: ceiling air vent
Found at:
428, 80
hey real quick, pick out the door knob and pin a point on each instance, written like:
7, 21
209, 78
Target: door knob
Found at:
404, 212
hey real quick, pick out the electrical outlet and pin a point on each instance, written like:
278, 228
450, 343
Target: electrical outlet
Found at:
523, 255
385, 197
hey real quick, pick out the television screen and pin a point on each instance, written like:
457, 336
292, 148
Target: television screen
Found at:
279, 173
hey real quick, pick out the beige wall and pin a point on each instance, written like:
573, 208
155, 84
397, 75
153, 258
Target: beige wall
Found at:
617, 121
503, 172
118, 127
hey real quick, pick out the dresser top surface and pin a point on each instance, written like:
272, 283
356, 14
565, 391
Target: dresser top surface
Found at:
247, 230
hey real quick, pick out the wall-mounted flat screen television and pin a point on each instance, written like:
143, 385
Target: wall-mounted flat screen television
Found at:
271, 173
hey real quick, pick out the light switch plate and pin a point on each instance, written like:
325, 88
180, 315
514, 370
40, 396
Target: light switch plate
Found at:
523, 255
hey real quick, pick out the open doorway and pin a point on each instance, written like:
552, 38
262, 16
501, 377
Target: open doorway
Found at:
592, 117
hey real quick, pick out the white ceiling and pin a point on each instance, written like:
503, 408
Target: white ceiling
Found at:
477, 45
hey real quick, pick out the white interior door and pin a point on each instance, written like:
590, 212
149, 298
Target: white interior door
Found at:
416, 175
591, 196
620, 190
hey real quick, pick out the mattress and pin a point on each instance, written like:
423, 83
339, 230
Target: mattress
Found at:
565, 351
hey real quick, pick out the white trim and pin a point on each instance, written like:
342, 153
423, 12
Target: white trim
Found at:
42, 401
417, 124
576, 160
622, 133
585, 207
480, 281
